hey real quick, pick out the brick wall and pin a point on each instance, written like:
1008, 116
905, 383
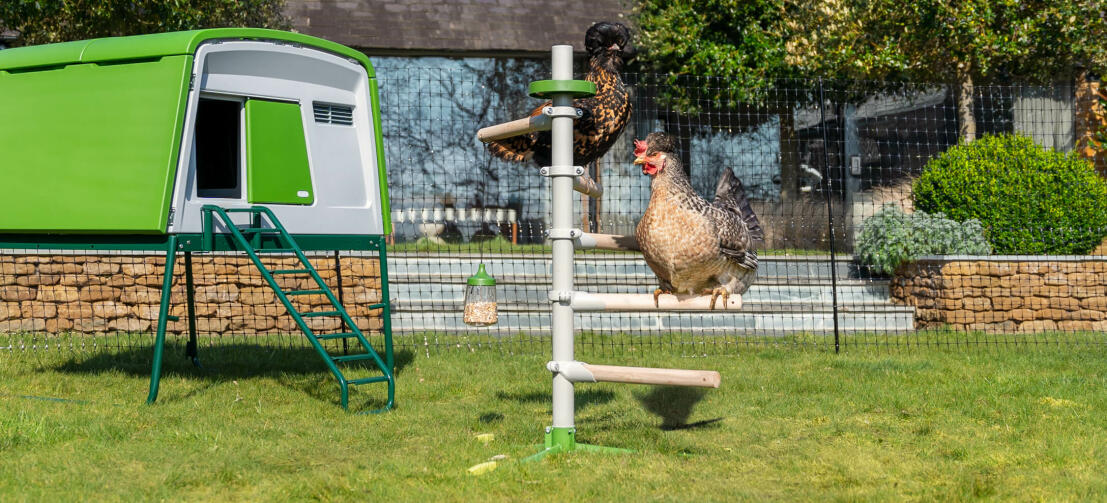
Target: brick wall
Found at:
107, 293
1015, 294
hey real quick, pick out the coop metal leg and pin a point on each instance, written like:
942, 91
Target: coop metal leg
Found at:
191, 351
341, 298
386, 311
163, 319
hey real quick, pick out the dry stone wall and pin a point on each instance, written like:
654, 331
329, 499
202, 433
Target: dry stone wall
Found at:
1006, 294
110, 293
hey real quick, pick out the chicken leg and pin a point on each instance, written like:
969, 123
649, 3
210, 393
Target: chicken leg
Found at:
657, 293
721, 291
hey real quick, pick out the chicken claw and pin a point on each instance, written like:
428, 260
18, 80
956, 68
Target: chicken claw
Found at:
716, 293
657, 293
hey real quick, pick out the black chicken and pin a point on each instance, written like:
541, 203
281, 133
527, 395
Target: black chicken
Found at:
605, 114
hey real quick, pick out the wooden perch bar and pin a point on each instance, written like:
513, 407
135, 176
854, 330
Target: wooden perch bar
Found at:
514, 128
615, 302
662, 377
608, 242
587, 186
577, 371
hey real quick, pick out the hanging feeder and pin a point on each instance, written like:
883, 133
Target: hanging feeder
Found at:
480, 299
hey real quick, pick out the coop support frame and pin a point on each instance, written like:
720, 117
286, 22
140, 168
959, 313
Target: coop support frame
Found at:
186, 244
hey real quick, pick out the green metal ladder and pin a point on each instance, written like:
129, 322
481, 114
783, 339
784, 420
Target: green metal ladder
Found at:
252, 245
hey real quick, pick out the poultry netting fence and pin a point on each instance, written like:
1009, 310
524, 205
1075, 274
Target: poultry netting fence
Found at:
879, 230
821, 162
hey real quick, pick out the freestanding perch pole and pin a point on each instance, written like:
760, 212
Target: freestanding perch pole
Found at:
561, 436
562, 220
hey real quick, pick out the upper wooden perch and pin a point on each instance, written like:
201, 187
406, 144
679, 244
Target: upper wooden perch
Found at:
514, 128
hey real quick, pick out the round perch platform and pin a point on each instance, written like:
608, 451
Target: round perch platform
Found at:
593, 302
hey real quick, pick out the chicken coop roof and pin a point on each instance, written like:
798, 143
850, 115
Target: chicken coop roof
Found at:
446, 26
155, 46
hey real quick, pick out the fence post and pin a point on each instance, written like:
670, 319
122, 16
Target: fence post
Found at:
827, 185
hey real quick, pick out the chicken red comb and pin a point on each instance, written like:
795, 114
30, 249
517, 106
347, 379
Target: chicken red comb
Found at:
639, 148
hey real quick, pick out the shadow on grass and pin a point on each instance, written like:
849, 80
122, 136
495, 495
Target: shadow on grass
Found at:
674, 405
300, 368
582, 398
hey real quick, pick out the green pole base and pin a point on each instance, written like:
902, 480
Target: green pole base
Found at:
563, 440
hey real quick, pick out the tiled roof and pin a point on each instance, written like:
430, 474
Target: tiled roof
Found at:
445, 26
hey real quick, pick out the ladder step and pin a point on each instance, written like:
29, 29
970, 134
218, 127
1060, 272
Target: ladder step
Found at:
367, 380
306, 292
343, 335
320, 313
252, 230
352, 358
291, 271
378, 306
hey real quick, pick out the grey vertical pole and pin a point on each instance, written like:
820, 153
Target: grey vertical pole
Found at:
562, 220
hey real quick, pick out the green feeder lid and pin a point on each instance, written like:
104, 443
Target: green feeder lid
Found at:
481, 278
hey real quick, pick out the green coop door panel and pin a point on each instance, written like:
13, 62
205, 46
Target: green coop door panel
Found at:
277, 169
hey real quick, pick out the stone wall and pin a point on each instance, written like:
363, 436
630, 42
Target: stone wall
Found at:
107, 293
1005, 294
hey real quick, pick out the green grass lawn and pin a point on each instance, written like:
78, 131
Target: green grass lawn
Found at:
262, 424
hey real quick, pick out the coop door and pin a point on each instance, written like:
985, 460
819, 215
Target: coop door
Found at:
277, 170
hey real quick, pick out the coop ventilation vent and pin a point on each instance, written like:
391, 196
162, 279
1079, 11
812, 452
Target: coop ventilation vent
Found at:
334, 114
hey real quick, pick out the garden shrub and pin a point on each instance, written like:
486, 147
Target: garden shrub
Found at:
892, 237
1032, 200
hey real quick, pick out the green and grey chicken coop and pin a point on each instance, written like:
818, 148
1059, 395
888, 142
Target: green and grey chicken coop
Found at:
246, 140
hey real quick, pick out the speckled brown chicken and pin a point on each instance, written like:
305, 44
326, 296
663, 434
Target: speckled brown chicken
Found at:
694, 246
605, 114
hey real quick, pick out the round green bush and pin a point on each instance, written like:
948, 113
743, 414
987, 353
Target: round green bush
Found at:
1032, 200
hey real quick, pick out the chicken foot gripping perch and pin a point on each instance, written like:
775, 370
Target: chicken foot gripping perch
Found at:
691, 245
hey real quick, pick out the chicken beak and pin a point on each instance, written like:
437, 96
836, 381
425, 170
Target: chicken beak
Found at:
614, 47
640, 160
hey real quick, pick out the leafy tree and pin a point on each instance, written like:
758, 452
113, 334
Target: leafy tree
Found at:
739, 40
962, 43
968, 42
48, 21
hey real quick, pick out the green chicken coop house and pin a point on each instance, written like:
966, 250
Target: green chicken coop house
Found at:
253, 141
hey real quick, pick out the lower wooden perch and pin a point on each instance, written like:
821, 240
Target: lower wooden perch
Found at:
583, 301
664, 377
576, 371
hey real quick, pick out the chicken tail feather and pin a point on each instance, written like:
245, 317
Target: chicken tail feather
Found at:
744, 258
731, 195
514, 149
